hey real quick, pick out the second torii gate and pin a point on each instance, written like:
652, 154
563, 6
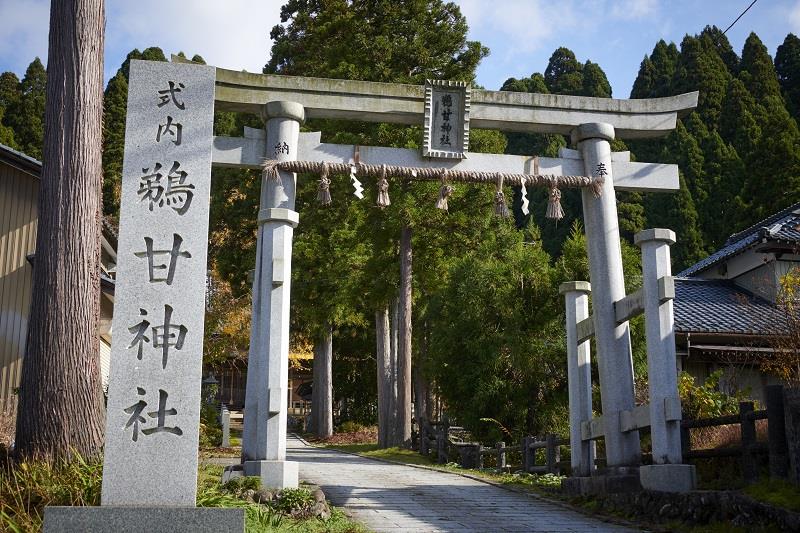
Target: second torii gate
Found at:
287, 101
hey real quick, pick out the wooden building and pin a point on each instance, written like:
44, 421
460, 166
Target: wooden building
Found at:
19, 188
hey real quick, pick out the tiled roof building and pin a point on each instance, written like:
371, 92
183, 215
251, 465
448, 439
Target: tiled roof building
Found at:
726, 315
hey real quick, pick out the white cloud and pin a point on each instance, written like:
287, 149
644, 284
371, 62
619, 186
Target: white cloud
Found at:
23, 32
633, 9
522, 25
233, 34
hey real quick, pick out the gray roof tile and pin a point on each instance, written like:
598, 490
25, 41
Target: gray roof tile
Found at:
720, 306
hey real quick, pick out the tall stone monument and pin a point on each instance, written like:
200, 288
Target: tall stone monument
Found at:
153, 411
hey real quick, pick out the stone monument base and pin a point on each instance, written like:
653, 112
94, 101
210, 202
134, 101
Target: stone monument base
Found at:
668, 478
608, 481
114, 519
274, 474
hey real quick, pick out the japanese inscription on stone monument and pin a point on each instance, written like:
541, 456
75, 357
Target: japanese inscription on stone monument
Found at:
156, 355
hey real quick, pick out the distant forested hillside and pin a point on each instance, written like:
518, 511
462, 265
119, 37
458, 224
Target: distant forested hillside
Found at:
739, 152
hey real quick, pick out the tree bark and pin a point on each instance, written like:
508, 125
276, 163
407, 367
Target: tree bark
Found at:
61, 403
322, 385
395, 435
385, 385
404, 341
422, 399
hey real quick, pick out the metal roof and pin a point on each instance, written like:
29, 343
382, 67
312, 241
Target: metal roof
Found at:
21, 161
782, 226
721, 306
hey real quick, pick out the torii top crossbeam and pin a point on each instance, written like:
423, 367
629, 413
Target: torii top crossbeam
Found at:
404, 104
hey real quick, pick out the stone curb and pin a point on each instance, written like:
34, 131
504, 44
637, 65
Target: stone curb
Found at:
558, 503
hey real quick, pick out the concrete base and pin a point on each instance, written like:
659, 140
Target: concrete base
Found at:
668, 478
600, 484
274, 474
112, 519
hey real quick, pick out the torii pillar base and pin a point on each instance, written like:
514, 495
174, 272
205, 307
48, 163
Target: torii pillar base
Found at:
274, 474
668, 478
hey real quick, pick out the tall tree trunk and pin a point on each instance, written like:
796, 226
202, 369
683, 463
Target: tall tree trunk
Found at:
395, 435
422, 400
61, 403
404, 340
385, 385
322, 385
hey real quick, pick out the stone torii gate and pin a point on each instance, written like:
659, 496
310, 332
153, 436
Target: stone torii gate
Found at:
592, 123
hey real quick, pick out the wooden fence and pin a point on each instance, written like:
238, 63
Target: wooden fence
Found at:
783, 442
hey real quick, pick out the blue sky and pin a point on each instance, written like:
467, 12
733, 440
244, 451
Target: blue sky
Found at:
521, 34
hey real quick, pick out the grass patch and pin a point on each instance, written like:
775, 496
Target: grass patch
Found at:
398, 455
26, 488
536, 482
777, 492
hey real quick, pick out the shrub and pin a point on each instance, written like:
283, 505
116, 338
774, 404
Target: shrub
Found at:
350, 427
293, 500
706, 400
27, 487
210, 428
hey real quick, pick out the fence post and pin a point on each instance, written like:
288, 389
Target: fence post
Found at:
657, 293
791, 412
776, 431
476, 450
552, 453
441, 446
749, 467
501, 456
686, 441
225, 420
525, 448
579, 376
424, 443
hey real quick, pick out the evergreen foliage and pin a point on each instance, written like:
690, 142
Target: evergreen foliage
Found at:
484, 290
25, 112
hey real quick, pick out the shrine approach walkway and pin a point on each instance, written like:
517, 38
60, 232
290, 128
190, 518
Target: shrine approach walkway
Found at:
398, 498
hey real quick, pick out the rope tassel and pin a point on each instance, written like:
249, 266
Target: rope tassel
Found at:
444, 192
383, 190
500, 208
324, 187
554, 210
270, 171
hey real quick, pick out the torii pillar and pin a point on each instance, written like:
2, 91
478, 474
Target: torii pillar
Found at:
614, 355
266, 401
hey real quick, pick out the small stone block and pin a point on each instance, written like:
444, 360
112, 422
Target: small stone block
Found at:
654, 234
277, 272
274, 474
275, 397
668, 478
666, 289
574, 286
113, 519
231, 472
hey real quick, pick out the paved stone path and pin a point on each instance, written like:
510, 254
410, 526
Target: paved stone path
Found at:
397, 498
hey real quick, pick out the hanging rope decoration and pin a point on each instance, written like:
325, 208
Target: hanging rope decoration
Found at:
554, 183
444, 192
324, 187
554, 210
500, 208
383, 190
